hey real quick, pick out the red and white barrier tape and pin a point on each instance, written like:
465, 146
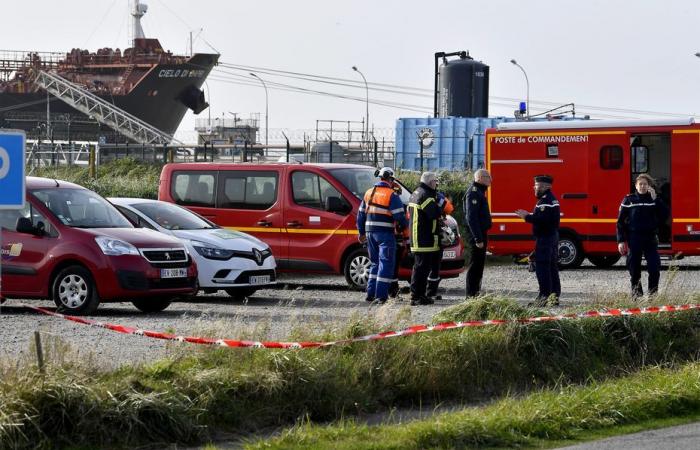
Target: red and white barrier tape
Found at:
415, 329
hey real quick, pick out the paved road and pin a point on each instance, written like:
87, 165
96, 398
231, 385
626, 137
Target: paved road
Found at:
681, 437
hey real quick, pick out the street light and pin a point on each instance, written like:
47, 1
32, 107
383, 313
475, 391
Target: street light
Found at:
527, 82
366, 101
266, 105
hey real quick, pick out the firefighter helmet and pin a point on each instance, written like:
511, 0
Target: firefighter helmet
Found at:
385, 173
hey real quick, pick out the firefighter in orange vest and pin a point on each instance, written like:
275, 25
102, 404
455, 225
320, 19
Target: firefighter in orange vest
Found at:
381, 211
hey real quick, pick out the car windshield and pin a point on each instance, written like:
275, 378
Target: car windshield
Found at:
360, 180
173, 217
81, 208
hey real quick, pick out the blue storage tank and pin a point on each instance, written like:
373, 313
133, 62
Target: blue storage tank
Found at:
449, 143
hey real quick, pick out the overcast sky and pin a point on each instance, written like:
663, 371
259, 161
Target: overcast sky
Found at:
636, 55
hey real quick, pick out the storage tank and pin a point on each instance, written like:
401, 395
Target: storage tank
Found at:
462, 86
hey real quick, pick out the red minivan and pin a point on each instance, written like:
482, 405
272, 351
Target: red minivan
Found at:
71, 245
305, 212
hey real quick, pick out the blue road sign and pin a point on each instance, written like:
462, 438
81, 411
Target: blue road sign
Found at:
12, 145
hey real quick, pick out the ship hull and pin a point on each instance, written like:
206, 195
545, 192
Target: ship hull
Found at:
158, 98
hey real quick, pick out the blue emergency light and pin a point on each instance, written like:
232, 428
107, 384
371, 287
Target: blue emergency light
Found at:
523, 107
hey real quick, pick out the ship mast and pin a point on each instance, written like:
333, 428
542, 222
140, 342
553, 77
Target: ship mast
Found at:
136, 13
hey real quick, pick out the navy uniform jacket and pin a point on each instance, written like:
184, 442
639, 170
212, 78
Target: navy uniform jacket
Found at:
640, 215
477, 211
545, 217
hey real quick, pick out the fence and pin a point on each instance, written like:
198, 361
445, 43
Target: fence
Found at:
48, 154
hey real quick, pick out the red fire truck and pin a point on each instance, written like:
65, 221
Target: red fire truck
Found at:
594, 164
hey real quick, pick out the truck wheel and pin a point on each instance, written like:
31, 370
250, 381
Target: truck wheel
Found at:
356, 269
240, 293
74, 291
603, 261
570, 252
151, 305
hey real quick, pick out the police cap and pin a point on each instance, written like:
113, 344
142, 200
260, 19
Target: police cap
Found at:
544, 179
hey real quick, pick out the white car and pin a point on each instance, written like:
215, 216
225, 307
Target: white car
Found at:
230, 260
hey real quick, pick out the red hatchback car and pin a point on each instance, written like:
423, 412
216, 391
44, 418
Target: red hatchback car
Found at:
71, 245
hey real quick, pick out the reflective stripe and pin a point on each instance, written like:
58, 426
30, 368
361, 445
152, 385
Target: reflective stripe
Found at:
425, 203
414, 227
636, 204
372, 277
547, 205
434, 248
434, 279
378, 210
379, 224
422, 205
384, 280
397, 210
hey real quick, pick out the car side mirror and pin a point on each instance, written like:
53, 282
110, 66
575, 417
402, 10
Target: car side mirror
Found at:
336, 205
24, 225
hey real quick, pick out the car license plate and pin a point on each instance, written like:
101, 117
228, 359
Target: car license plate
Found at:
449, 254
173, 273
259, 279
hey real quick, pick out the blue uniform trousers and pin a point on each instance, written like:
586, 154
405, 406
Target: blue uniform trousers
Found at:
382, 255
646, 245
546, 265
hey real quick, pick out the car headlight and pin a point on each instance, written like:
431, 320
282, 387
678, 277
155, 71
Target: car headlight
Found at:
115, 247
452, 223
210, 251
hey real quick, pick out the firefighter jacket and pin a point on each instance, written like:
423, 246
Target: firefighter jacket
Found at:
639, 214
424, 212
477, 212
545, 217
380, 210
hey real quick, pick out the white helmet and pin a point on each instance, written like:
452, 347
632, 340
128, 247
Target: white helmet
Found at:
386, 173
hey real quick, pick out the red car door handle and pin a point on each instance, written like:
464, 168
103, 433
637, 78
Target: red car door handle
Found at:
294, 224
264, 223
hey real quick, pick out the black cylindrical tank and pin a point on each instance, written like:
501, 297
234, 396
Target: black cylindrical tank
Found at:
463, 88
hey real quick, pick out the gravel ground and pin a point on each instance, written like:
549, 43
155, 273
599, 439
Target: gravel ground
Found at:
316, 301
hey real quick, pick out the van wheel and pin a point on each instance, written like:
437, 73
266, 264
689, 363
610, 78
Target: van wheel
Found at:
74, 291
570, 252
604, 261
240, 293
356, 269
152, 305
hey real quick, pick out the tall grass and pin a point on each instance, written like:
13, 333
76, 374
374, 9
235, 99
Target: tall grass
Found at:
124, 177
557, 414
183, 399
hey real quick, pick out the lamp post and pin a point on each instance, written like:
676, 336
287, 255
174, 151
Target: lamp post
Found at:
266, 107
527, 83
366, 101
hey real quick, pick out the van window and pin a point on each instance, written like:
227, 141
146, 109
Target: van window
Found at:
310, 190
248, 189
193, 188
610, 157
8, 219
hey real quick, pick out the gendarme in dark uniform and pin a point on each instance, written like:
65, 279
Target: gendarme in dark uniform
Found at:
637, 227
545, 228
478, 218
